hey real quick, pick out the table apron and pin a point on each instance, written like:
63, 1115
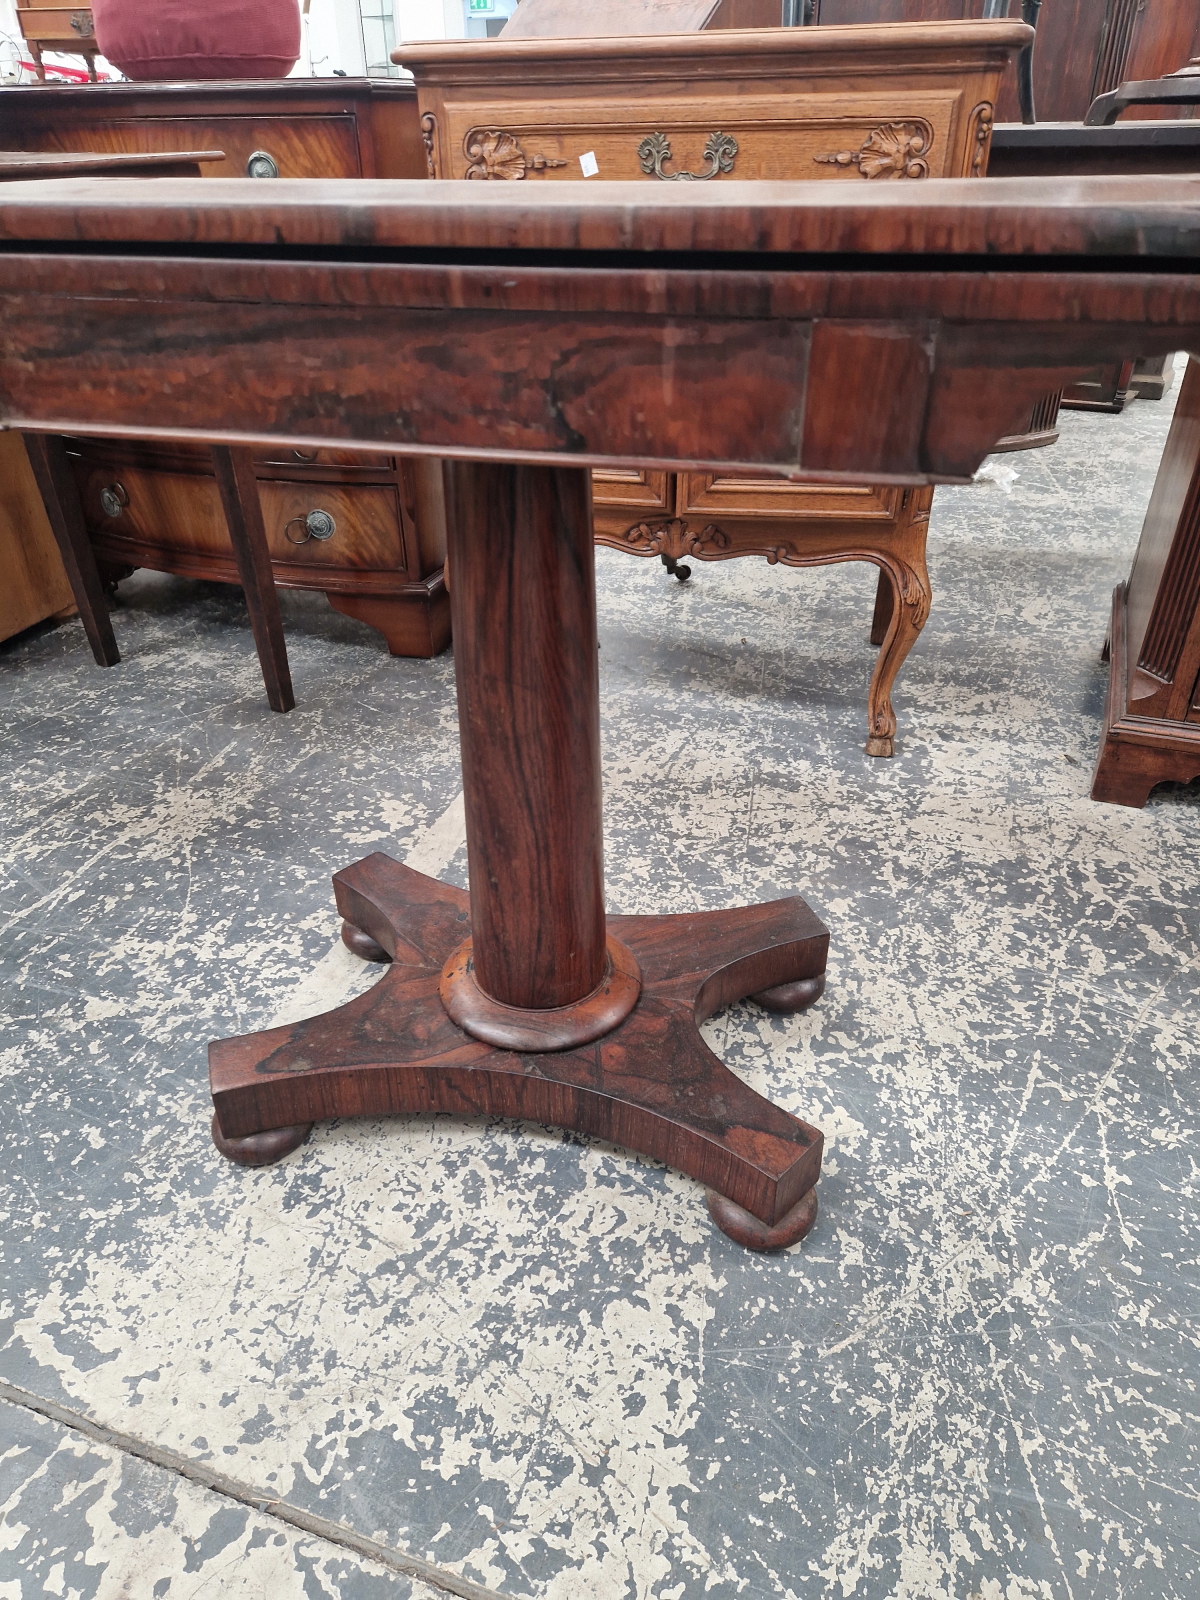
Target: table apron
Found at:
151, 349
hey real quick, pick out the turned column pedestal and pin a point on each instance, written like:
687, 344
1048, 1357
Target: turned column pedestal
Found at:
524, 999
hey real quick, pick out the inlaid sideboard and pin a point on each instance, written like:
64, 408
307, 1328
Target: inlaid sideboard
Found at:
893, 104
366, 528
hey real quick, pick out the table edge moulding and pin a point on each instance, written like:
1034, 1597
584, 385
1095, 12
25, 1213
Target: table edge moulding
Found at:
521, 334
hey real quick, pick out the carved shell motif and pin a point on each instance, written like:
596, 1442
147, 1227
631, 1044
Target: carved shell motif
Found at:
893, 150
492, 153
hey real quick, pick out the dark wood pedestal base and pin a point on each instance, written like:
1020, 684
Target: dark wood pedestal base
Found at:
651, 1084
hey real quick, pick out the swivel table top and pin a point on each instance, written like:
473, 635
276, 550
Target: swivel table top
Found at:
527, 334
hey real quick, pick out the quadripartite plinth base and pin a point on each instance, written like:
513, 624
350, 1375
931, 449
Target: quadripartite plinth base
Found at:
651, 1084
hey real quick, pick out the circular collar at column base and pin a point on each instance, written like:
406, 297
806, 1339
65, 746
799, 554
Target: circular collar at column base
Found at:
535, 1031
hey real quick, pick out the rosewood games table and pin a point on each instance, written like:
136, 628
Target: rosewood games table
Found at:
530, 333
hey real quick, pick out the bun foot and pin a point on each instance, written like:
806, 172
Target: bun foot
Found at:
261, 1149
362, 945
787, 998
744, 1228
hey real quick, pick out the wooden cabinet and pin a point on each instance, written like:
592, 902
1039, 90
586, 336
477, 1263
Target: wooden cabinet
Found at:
383, 560
882, 105
66, 30
879, 103
33, 583
1152, 711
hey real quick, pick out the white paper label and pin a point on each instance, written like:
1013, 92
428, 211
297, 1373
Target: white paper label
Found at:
589, 165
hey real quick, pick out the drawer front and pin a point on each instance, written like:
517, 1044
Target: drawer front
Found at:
869, 134
368, 529
300, 147
630, 489
748, 496
72, 23
168, 511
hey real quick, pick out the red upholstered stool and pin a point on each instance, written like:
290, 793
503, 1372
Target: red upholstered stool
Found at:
173, 39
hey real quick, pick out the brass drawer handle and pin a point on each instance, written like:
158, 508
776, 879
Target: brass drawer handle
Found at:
655, 151
305, 455
81, 23
113, 499
262, 164
316, 525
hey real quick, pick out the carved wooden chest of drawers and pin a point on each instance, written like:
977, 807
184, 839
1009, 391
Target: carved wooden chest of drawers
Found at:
368, 530
896, 103
903, 101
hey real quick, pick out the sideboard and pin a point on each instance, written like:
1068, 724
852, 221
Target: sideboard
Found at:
366, 528
895, 104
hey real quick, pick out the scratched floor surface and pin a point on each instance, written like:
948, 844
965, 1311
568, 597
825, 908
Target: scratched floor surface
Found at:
526, 1364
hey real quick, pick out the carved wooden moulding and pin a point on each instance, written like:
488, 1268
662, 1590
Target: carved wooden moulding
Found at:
492, 153
893, 150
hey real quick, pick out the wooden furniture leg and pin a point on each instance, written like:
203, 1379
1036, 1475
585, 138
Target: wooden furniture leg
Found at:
524, 999
243, 513
1151, 728
885, 604
902, 603
56, 485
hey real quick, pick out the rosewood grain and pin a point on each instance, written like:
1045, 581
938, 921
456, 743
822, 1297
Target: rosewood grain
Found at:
523, 605
651, 1084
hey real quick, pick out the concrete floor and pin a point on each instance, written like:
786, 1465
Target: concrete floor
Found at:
490, 1358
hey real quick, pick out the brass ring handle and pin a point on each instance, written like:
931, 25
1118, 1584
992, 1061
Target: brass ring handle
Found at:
654, 152
261, 164
316, 525
113, 499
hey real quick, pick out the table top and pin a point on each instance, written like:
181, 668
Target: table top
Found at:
72, 163
654, 325
1081, 218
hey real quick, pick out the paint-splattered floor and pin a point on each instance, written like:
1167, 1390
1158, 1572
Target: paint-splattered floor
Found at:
529, 1361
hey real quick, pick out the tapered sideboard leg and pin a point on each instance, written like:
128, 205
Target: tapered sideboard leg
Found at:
248, 535
56, 484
